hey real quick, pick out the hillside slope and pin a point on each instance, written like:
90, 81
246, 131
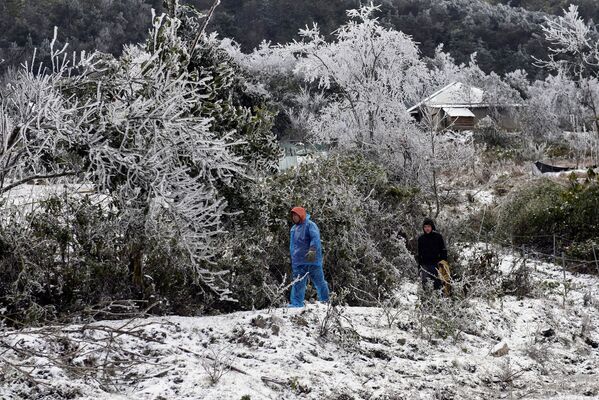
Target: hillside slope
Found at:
504, 35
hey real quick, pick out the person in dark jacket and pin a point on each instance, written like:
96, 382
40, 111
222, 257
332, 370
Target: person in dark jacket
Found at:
431, 250
306, 258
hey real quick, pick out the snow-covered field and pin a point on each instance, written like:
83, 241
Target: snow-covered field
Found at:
280, 354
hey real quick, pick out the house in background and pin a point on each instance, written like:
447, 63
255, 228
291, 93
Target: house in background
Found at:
297, 152
460, 107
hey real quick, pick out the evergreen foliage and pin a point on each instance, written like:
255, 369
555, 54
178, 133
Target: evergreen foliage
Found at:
536, 213
363, 219
165, 133
504, 35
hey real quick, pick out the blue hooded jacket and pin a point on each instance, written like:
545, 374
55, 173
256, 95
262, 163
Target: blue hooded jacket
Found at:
304, 236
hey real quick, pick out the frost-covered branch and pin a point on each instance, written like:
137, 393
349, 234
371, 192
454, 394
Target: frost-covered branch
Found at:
40, 128
145, 130
574, 52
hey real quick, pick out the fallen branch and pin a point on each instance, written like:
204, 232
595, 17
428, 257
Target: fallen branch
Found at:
231, 367
27, 375
267, 380
99, 349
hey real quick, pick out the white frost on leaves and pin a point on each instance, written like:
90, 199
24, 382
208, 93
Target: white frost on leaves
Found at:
135, 119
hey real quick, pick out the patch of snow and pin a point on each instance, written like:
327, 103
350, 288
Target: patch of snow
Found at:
280, 354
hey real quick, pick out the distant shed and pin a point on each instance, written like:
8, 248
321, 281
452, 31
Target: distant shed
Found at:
459, 107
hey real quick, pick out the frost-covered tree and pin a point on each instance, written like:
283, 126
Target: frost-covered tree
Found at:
371, 74
551, 105
238, 110
357, 88
442, 150
159, 159
574, 51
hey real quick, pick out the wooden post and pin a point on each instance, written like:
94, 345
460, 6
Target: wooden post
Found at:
482, 221
564, 279
554, 256
596, 260
512, 242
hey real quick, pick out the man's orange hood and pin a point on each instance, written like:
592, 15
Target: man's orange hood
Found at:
300, 212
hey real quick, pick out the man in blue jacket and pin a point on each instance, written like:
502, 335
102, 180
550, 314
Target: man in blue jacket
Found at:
306, 258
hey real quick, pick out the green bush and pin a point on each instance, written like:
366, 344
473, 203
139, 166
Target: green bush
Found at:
534, 213
587, 249
360, 215
69, 258
530, 212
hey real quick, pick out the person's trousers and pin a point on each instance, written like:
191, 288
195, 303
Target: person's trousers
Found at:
298, 290
429, 273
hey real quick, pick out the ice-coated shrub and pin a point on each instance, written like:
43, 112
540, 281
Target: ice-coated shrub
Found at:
69, 256
360, 215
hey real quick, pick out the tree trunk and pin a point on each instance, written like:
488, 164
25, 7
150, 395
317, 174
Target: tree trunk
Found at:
136, 265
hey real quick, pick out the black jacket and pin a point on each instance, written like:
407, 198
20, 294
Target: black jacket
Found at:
431, 248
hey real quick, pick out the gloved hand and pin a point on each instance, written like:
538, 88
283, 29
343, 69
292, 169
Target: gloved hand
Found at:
311, 255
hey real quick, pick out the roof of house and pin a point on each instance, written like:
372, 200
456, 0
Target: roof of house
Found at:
454, 95
458, 112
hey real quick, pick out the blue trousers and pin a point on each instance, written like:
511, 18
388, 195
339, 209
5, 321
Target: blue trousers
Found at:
298, 290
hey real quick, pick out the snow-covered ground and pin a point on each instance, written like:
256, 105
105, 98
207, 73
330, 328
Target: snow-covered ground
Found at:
280, 354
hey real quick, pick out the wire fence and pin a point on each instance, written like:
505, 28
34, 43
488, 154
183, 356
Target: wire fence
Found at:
567, 272
557, 255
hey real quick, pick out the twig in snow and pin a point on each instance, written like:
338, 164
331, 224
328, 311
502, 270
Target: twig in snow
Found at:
231, 367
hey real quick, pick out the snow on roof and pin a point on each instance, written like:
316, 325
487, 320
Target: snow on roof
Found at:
458, 112
454, 95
